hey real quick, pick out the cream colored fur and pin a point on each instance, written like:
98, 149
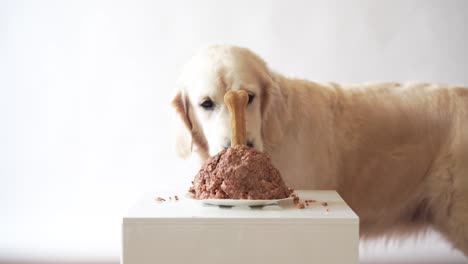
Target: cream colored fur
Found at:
397, 153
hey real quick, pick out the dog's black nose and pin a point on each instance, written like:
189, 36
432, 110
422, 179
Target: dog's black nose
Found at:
249, 144
227, 145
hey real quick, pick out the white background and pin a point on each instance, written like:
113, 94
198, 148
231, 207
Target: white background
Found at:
85, 86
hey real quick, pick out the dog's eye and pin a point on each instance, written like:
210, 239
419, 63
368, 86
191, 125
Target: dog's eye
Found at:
251, 97
207, 104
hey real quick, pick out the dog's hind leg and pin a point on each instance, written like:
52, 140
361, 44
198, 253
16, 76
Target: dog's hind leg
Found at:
450, 208
454, 227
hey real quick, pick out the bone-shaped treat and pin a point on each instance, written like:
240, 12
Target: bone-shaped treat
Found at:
236, 102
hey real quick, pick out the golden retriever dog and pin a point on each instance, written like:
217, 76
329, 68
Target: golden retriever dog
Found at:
396, 152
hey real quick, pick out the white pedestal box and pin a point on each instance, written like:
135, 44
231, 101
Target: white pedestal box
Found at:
187, 231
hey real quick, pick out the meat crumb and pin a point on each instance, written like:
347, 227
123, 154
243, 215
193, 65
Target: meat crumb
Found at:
325, 204
296, 200
300, 205
160, 199
176, 198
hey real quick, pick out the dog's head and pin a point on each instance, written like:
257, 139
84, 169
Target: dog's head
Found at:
206, 125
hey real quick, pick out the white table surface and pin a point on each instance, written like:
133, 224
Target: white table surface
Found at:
173, 230
148, 209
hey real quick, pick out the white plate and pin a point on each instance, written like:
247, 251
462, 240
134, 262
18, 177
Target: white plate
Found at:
239, 202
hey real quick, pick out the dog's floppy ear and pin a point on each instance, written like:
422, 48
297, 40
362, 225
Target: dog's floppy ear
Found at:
184, 128
274, 111
188, 137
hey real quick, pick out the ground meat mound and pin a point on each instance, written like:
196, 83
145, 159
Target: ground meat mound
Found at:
240, 172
